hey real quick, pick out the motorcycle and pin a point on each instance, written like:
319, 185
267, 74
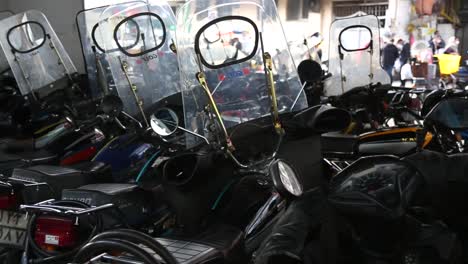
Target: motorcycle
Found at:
210, 213
50, 87
383, 209
131, 156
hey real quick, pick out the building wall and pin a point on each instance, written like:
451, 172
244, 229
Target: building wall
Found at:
61, 14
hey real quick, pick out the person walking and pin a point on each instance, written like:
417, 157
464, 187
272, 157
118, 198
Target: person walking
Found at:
389, 55
405, 51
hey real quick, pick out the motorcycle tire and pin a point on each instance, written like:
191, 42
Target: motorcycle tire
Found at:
138, 238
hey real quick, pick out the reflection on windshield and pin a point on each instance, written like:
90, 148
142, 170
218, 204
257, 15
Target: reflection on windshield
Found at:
140, 34
26, 37
227, 41
143, 66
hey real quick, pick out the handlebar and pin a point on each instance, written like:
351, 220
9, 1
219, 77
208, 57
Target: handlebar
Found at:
87, 103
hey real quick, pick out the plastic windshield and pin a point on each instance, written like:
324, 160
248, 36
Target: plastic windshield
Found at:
227, 36
35, 54
451, 113
137, 39
354, 55
97, 69
305, 49
3, 61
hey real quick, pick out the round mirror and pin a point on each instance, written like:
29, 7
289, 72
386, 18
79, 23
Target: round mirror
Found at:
112, 105
26, 37
355, 38
164, 122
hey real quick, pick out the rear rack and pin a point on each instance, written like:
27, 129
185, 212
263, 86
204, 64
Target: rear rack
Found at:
48, 207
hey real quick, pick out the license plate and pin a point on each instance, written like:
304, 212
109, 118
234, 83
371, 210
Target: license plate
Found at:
13, 228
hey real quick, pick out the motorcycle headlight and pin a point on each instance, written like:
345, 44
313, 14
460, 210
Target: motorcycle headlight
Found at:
285, 179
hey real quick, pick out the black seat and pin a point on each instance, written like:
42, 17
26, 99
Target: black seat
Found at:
133, 203
10, 161
218, 244
12, 145
397, 148
59, 178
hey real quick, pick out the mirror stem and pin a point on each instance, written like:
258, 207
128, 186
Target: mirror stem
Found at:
194, 134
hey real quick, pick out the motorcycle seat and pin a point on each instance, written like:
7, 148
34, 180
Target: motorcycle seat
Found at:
17, 145
397, 148
10, 161
59, 178
220, 243
133, 203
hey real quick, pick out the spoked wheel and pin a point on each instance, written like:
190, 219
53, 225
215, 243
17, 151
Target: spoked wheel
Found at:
135, 246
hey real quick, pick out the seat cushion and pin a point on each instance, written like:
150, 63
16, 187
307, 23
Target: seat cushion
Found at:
135, 205
223, 243
13, 145
10, 161
56, 177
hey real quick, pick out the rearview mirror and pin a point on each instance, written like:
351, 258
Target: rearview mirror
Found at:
164, 122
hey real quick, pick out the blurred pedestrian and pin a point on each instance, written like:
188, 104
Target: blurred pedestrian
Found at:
389, 56
452, 46
437, 42
405, 51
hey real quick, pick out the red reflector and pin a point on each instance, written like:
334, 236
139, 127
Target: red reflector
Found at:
55, 231
8, 201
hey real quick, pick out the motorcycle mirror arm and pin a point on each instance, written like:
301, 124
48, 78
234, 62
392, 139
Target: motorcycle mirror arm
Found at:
132, 118
119, 123
194, 134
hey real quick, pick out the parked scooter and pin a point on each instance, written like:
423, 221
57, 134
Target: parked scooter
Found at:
51, 85
222, 185
131, 156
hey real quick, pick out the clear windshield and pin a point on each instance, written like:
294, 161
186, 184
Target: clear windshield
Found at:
96, 65
34, 52
3, 61
228, 39
354, 55
305, 49
451, 113
137, 38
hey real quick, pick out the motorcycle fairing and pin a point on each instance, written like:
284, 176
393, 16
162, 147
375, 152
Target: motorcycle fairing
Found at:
232, 59
351, 69
35, 54
143, 65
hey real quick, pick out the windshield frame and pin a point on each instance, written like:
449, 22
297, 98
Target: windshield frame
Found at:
14, 49
130, 18
214, 22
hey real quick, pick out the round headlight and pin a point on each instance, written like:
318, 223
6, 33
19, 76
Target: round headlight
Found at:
287, 179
